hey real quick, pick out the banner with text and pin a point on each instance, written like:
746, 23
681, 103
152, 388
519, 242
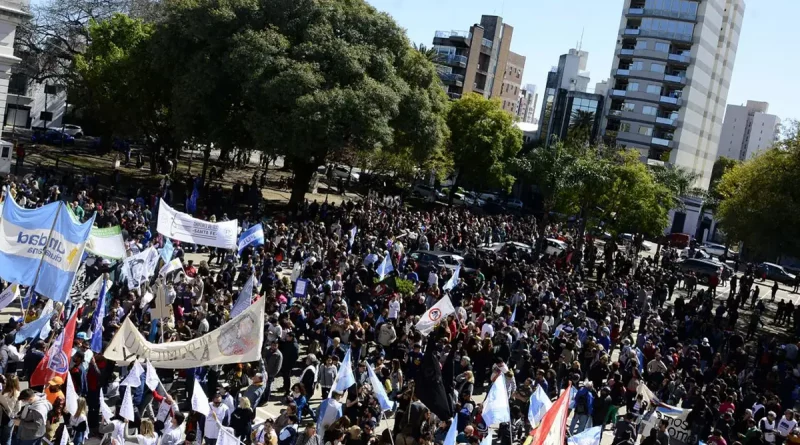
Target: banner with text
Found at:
186, 228
237, 341
107, 243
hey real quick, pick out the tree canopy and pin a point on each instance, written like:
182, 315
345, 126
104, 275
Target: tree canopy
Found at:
759, 200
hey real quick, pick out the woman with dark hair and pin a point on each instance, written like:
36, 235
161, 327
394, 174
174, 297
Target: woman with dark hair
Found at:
298, 396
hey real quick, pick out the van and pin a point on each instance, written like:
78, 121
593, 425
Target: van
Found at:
679, 240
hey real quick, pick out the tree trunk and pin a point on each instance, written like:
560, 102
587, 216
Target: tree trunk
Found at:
153, 157
584, 216
302, 177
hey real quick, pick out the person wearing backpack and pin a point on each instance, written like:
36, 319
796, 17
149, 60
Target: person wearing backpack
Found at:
584, 401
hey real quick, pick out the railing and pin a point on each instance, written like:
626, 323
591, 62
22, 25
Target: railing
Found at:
623, 72
662, 142
669, 100
487, 43
665, 121
631, 31
670, 14
615, 112
452, 59
618, 93
636, 11
454, 96
679, 58
665, 35
448, 34
626, 52
674, 79
451, 77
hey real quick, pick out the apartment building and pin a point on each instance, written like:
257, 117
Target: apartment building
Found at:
528, 98
566, 94
481, 61
670, 77
747, 130
12, 14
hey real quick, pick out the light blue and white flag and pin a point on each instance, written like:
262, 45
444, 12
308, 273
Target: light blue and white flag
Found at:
29, 299
167, 250
378, 389
32, 329
572, 393
589, 436
496, 409
453, 281
513, 315
10, 294
253, 235
539, 405
344, 377
385, 267
97, 321
329, 411
452, 433
245, 297
46, 240
487, 440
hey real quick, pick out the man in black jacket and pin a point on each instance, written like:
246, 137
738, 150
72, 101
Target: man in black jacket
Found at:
602, 403
625, 431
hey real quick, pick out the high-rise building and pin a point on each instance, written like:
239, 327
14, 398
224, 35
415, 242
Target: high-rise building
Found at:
14, 13
670, 78
747, 130
481, 61
565, 95
528, 98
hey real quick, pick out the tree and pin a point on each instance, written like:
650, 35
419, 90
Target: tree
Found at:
303, 78
721, 166
678, 181
483, 139
759, 200
114, 81
429, 53
580, 126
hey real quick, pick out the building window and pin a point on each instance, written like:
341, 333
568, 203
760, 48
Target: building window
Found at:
633, 86
646, 131
653, 89
641, 44
649, 110
637, 66
628, 107
625, 127
662, 47
657, 67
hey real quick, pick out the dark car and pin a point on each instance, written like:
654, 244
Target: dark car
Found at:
702, 268
776, 273
52, 137
429, 259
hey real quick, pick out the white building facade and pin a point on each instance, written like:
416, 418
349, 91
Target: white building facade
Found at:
12, 13
747, 130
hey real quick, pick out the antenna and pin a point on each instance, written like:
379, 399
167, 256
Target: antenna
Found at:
580, 43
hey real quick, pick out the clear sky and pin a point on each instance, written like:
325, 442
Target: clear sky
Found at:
765, 70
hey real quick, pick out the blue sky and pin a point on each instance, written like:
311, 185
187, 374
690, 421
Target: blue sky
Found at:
765, 69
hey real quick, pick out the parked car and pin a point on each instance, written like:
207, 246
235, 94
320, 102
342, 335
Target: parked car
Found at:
52, 137
73, 130
426, 191
700, 254
428, 259
555, 247
471, 199
714, 249
702, 268
515, 204
775, 272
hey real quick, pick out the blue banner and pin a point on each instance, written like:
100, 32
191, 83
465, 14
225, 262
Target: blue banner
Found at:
46, 240
253, 235
167, 250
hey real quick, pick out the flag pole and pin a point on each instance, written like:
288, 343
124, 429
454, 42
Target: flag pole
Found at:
32, 289
391, 436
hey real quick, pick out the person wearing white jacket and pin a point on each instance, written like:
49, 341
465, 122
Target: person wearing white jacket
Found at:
214, 419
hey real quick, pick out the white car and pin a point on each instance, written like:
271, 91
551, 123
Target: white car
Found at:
514, 204
714, 249
459, 199
472, 200
555, 247
73, 130
338, 172
426, 191
698, 253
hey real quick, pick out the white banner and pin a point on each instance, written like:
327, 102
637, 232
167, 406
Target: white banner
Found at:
107, 243
435, 315
237, 341
186, 228
139, 268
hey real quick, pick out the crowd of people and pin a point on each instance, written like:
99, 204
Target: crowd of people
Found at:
595, 317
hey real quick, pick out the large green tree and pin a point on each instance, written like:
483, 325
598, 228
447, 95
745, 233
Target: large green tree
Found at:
759, 201
483, 139
308, 79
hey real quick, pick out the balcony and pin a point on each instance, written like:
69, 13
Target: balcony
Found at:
452, 79
670, 78
679, 58
635, 11
665, 35
450, 37
631, 31
626, 52
661, 142
669, 122
618, 93
623, 72
454, 96
615, 113
452, 60
669, 100
669, 14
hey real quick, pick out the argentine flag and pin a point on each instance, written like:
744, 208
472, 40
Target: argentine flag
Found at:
378, 389
453, 281
253, 235
46, 240
245, 297
539, 405
344, 377
385, 267
589, 436
496, 409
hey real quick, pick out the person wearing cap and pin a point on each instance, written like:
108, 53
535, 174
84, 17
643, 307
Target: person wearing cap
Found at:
767, 426
53, 391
